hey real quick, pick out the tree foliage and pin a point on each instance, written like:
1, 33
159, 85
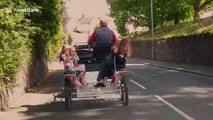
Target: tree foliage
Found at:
197, 6
138, 12
15, 44
48, 40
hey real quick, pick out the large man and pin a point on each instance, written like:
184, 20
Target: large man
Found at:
103, 35
102, 39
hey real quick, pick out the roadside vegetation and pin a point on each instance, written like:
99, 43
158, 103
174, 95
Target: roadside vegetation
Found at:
29, 30
200, 26
171, 17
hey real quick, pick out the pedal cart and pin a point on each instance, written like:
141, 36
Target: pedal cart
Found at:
92, 57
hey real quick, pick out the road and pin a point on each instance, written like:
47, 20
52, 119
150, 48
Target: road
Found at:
187, 96
155, 94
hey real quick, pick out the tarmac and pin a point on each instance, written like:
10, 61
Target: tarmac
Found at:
194, 69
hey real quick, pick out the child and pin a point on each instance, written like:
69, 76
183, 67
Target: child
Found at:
73, 62
64, 54
120, 53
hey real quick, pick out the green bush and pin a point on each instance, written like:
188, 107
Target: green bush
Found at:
15, 43
27, 36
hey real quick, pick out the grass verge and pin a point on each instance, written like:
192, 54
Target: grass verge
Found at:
183, 29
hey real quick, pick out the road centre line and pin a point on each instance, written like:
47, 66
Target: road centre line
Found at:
136, 64
174, 108
141, 86
166, 103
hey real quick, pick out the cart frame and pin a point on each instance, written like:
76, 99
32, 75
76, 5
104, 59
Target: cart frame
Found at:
116, 85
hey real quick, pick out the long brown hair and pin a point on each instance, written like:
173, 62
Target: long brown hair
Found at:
125, 47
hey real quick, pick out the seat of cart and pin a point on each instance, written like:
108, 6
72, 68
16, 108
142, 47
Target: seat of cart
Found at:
92, 54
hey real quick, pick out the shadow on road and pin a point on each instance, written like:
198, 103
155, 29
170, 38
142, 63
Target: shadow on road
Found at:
81, 109
53, 84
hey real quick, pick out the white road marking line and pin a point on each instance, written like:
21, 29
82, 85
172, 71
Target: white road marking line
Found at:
141, 86
174, 108
166, 103
135, 64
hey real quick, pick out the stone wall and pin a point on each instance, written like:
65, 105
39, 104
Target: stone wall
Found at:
195, 49
25, 78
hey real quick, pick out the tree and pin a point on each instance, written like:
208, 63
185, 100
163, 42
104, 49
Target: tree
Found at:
170, 11
131, 11
198, 5
137, 12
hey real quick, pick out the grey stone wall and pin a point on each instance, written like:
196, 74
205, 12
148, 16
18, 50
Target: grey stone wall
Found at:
195, 49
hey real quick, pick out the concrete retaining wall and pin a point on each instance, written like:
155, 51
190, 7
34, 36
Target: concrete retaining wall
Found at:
26, 77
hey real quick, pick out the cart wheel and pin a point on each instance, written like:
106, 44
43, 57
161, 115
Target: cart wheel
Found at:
68, 95
124, 92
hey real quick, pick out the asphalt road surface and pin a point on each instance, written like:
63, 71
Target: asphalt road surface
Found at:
154, 94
